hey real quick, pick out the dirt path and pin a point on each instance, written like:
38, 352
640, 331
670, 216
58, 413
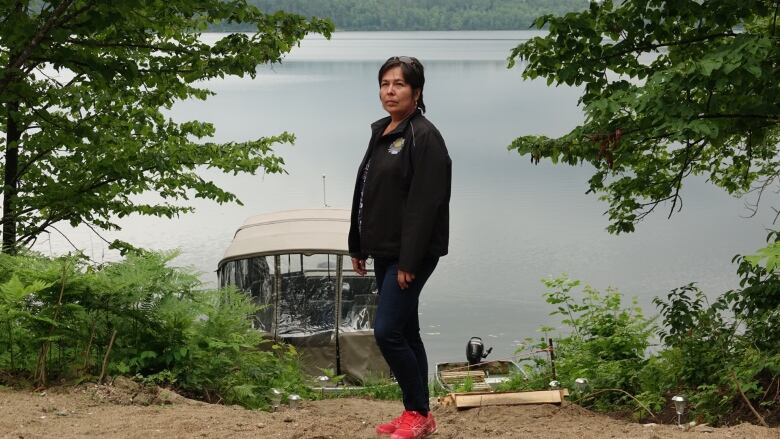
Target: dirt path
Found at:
109, 412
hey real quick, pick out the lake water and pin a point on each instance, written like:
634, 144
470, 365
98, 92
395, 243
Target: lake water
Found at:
513, 222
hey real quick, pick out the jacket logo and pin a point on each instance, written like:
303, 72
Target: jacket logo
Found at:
396, 146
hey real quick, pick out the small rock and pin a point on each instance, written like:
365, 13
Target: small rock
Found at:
651, 424
62, 413
260, 425
288, 419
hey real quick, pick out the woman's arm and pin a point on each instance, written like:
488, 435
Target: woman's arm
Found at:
428, 192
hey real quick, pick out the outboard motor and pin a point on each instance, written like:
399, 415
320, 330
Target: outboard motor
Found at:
475, 349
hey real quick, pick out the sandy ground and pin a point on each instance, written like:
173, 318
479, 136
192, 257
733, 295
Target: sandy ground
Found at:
123, 412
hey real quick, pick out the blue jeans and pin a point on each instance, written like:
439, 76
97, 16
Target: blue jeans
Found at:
397, 330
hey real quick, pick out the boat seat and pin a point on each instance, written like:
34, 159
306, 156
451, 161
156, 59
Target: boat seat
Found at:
454, 378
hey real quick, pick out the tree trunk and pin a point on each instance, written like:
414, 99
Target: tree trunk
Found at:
11, 183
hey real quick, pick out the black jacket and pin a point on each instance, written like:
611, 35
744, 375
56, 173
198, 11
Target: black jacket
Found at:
406, 198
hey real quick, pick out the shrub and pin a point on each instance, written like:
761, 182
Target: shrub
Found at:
602, 341
59, 319
728, 348
723, 354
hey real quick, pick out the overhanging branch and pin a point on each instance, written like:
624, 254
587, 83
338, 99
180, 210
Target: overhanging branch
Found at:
54, 19
770, 117
649, 47
89, 43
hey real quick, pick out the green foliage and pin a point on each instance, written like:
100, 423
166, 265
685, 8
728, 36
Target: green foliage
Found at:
603, 340
670, 89
57, 317
83, 90
713, 351
397, 15
728, 345
699, 331
771, 255
518, 382
467, 385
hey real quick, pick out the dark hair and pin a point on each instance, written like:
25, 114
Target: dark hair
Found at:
413, 72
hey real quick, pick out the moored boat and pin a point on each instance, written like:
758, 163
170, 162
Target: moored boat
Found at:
296, 266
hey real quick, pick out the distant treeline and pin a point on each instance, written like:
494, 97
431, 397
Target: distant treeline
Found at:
405, 15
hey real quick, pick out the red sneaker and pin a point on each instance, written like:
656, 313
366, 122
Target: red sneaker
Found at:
390, 427
414, 426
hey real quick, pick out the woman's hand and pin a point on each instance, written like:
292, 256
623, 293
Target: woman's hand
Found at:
359, 265
404, 279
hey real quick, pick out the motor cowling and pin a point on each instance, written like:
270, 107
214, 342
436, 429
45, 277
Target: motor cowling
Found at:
475, 350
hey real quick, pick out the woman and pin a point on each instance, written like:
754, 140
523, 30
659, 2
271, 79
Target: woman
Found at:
400, 218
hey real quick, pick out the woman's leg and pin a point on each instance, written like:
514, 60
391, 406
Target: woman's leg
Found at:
397, 331
412, 335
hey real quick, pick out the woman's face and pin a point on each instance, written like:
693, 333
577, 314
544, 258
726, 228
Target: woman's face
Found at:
397, 96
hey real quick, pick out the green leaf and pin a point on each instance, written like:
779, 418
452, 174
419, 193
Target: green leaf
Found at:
97, 140
669, 90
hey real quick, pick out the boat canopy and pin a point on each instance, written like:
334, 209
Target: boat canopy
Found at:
303, 231
295, 265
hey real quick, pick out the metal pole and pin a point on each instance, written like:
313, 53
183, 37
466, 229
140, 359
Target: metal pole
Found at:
324, 198
552, 357
338, 289
277, 293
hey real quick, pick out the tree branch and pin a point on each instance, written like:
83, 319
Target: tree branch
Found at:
96, 233
747, 401
66, 238
654, 204
89, 188
680, 179
650, 47
54, 19
753, 207
775, 118
88, 43
34, 159
28, 236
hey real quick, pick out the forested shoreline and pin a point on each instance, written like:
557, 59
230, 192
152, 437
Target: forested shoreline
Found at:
408, 15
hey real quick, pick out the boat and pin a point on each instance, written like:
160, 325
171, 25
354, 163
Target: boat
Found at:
295, 264
484, 376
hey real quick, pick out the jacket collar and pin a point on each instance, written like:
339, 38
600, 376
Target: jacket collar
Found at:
378, 127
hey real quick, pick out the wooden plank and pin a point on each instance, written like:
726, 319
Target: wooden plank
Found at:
462, 380
462, 372
477, 379
483, 387
476, 375
467, 400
